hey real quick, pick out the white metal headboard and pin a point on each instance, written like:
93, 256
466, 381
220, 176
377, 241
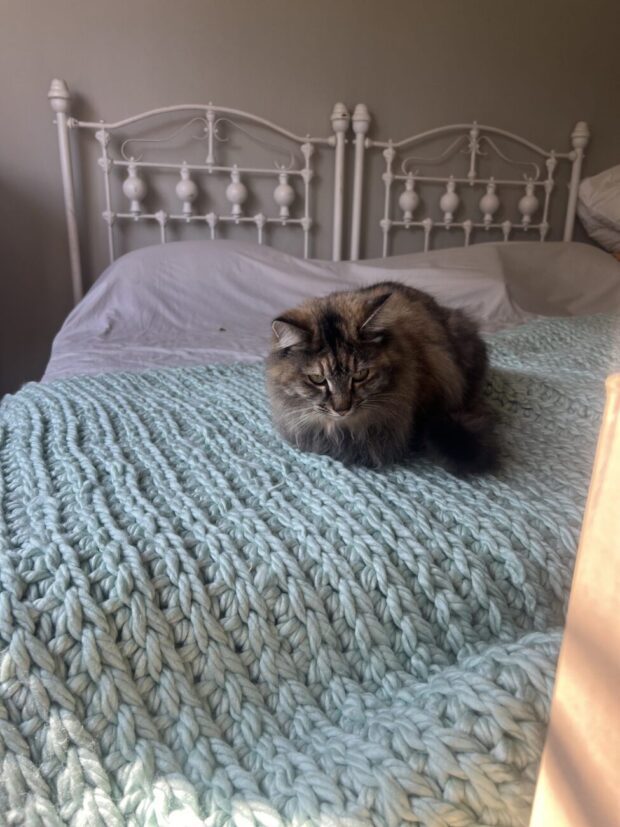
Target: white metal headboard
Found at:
475, 141
468, 201
210, 118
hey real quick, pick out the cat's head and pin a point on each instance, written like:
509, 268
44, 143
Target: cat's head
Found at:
332, 358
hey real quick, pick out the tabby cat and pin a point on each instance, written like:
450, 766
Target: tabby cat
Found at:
371, 375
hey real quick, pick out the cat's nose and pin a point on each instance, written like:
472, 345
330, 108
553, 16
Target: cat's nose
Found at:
341, 407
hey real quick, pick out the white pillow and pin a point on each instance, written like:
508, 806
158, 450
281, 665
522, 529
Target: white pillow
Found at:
182, 303
471, 278
501, 283
560, 278
598, 207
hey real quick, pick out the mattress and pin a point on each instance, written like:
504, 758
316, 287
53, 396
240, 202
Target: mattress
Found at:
201, 626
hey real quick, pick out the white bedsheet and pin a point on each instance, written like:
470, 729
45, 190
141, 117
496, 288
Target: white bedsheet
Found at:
198, 302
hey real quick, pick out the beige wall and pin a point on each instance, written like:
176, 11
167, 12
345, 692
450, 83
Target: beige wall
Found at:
533, 66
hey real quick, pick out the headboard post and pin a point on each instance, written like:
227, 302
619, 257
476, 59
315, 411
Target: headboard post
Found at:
361, 124
579, 139
60, 101
340, 124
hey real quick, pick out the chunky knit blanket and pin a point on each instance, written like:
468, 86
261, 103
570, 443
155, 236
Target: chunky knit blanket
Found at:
201, 626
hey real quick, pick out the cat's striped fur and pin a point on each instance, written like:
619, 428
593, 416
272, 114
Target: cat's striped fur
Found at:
369, 376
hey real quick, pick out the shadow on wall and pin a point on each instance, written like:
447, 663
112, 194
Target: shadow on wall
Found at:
33, 301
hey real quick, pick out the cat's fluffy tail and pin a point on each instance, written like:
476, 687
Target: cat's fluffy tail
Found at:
466, 440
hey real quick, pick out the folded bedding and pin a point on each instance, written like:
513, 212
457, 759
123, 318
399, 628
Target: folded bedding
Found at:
200, 625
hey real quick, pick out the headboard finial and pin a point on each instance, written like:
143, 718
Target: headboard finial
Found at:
340, 118
580, 135
59, 96
361, 119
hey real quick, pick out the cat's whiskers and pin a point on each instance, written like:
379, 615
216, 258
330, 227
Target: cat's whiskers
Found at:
299, 418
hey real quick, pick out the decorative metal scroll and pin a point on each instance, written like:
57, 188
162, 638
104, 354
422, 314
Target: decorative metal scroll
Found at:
403, 206
191, 178
288, 207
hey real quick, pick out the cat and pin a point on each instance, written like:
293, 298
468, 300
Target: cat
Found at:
370, 376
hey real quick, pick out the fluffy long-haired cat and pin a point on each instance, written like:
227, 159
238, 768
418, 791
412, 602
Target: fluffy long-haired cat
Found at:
368, 376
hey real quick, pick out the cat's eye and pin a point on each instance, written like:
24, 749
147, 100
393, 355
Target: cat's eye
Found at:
316, 378
360, 375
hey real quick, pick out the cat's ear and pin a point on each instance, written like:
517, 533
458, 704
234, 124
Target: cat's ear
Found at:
288, 334
377, 318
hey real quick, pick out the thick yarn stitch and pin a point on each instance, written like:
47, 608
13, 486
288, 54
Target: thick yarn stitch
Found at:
201, 626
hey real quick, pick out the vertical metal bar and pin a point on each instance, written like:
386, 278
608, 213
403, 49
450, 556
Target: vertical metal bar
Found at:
551, 164
211, 219
260, 221
474, 149
60, 101
307, 174
105, 163
340, 123
579, 138
428, 226
467, 228
388, 177
209, 129
361, 124
162, 219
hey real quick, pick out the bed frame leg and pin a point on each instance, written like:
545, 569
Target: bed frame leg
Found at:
579, 139
60, 101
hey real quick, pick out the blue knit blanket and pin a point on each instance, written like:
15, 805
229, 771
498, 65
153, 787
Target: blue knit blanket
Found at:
201, 626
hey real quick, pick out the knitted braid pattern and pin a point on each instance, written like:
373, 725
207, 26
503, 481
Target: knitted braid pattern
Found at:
201, 626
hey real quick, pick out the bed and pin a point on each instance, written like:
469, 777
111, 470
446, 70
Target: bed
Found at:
198, 624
